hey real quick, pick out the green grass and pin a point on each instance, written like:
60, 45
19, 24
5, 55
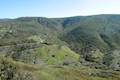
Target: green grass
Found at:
55, 54
85, 34
53, 72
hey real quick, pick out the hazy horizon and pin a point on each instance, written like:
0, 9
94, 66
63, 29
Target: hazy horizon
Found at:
57, 17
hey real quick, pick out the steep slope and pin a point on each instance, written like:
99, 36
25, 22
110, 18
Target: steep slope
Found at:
93, 35
100, 31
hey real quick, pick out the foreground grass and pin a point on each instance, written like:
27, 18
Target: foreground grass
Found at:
22, 71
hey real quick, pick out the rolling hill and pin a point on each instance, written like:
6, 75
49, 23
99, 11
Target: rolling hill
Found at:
85, 47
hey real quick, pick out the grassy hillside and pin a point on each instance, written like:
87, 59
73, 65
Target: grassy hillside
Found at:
93, 33
12, 70
71, 48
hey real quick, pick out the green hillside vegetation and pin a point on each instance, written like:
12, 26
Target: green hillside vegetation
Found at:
56, 54
71, 48
12, 70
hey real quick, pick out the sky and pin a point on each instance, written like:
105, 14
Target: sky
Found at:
57, 8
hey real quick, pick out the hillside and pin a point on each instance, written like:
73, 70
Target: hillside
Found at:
85, 47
